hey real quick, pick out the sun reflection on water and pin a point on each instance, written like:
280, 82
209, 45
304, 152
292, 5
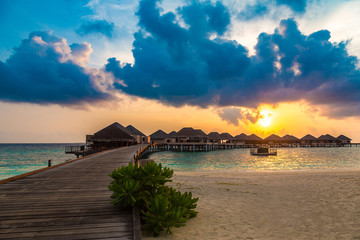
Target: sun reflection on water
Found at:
240, 159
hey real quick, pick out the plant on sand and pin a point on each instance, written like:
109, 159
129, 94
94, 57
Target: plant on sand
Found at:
162, 207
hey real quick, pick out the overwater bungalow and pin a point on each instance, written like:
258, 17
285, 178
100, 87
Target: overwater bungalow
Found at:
227, 138
240, 139
159, 137
308, 140
112, 136
188, 134
290, 140
343, 140
135, 133
254, 140
327, 140
214, 137
172, 134
171, 137
201, 134
273, 139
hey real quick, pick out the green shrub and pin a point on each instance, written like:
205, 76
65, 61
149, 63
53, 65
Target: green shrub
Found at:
160, 215
184, 200
126, 185
126, 193
154, 176
169, 208
162, 207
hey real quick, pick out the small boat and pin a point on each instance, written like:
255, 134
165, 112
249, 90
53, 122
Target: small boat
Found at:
263, 151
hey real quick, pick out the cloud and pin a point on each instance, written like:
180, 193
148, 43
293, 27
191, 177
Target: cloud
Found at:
183, 58
295, 5
96, 26
44, 69
253, 11
233, 115
262, 8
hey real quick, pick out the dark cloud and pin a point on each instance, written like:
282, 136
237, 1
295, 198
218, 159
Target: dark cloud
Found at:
175, 62
262, 8
44, 69
96, 26
253, 11
295, 5
193, 64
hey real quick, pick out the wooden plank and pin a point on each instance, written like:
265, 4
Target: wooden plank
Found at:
102, 235
67, 227
56, 221
136, 223
71, 201
42, 232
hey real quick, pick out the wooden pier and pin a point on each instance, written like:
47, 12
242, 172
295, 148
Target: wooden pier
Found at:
83, 150
71, 201
190, 147
207, 147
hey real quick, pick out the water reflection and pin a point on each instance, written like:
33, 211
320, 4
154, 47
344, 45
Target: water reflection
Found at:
240, 159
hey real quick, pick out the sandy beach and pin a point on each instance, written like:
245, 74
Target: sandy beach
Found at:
316, 204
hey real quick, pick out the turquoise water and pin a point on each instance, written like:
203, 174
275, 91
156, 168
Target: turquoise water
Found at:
240, 159
17, 159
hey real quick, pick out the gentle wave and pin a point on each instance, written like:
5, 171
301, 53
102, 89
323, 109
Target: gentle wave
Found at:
240, 159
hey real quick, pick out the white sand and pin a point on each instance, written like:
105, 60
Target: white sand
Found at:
272, 205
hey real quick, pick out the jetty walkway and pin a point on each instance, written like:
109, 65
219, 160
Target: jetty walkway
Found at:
71, 201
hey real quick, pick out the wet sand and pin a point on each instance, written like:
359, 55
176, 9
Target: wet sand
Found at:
315, 204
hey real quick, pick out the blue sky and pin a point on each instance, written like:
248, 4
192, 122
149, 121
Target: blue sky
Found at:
221, 54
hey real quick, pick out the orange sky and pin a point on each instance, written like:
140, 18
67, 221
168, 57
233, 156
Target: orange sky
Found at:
128, 53
33, 123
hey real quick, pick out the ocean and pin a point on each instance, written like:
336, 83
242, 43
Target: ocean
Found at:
240, 159
16, 159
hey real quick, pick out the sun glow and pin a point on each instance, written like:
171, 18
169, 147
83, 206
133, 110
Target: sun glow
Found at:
265, 118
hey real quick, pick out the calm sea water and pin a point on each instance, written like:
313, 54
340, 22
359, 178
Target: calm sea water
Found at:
17, 159
240, 159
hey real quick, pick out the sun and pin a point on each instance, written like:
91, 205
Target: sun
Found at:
265, 118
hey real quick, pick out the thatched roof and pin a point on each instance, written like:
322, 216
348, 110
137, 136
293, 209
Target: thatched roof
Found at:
253, 137
190, 132
308, 138
200, 133
343, 138
185, 132
226, 136
113, 132
241, 137
289, 138
327, 137
273, 137
214, 136
172, 134
159, 134
134, 131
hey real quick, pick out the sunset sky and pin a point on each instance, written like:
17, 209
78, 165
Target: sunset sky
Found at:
70, 68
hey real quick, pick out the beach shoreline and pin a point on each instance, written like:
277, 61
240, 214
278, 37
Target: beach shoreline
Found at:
295, 204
